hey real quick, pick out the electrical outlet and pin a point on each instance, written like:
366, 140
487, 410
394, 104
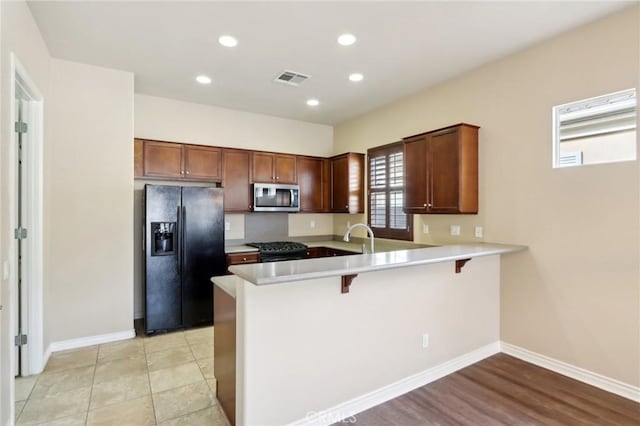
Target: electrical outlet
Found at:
478, 232
455, 229
425, 228
348, 224
227, 226
425, 340
312, 224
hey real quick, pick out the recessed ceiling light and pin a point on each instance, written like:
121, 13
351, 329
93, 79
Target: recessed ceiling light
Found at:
228, 41
356, 76
346, 39
203, 79
313, 102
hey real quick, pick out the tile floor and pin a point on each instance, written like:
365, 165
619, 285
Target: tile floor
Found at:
160, 380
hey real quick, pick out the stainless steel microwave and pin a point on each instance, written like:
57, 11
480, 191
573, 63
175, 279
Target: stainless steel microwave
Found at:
276, 197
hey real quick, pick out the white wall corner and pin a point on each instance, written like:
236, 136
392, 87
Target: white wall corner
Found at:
608, 384
364, 402
89, 341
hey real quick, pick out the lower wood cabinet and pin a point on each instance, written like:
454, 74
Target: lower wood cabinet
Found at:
242, 258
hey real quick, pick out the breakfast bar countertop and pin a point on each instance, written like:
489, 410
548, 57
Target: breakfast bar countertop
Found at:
307, 269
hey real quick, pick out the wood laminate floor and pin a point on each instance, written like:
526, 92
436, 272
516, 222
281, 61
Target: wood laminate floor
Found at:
502, 390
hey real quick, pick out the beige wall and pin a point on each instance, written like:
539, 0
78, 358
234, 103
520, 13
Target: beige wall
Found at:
91, 162
20, 35
574, 295
166, 119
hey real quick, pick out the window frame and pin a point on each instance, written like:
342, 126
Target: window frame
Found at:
557, 139
387, 231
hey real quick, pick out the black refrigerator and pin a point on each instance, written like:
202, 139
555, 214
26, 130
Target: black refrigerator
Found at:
184, 248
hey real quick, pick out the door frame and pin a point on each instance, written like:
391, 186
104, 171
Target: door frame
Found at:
32, 294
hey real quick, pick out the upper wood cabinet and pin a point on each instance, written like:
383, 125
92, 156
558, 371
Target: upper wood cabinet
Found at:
162, 159
202, 162
236, 180
347, 183
441, 171
314, 179
268, 167
138, 158
177, 161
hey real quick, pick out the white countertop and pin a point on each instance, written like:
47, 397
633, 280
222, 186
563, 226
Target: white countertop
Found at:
227, 283
307, 269
239, 249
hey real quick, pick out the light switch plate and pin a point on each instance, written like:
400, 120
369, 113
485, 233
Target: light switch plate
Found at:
227, 226
478, 232
312, 224
455, 229
425, 228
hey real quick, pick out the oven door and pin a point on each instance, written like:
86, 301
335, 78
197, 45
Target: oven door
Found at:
268, 197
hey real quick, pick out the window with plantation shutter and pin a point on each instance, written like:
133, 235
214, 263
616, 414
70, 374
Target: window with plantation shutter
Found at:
386, 193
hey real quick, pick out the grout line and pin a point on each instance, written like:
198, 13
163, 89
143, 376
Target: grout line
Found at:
146, 363
93, 382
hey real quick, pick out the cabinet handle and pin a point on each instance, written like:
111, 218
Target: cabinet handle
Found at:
187, 171
244, 259
430, 205
346, 207
181, 172
424, 205
277, 177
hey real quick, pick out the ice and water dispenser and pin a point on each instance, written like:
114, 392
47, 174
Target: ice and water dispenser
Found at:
163, 237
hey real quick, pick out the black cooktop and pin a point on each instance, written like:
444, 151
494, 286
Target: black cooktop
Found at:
279, 247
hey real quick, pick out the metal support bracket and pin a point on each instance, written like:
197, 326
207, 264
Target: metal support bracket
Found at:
460, 263
346, 282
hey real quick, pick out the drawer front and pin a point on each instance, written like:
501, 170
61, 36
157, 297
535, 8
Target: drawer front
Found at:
240, 258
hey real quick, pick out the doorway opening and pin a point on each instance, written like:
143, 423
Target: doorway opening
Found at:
26, 218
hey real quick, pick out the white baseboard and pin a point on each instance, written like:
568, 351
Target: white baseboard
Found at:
90, 341
386, 393
594, 379
45, 358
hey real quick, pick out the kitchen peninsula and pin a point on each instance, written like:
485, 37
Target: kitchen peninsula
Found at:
361, 329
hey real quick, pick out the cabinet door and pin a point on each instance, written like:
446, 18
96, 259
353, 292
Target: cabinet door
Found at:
347, 183
138, 157
340, 184
163, 159
285, 168
202, 163
262, 167
311, 179
235, 180
415, 175
443, 168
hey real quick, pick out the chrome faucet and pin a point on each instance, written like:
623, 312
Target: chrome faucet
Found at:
369, 232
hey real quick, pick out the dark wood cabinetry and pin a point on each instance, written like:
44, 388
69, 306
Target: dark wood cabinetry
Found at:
243, 258
162, 159
314, 179
176, 161
441, 171
138, 158
327, 185
236, 180
268, 167
347, 183
202, 162
314, 252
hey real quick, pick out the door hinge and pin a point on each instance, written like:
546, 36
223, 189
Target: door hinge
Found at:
21, 127
20, 233
20, 340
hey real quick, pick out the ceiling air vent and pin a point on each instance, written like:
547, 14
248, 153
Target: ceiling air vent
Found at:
291, 78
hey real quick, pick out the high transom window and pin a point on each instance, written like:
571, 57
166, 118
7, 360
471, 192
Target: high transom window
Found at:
595, 130
386, 193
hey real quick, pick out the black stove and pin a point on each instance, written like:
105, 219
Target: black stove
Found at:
280, 250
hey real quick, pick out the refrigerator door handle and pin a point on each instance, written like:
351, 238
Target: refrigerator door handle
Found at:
179, 242
182, 232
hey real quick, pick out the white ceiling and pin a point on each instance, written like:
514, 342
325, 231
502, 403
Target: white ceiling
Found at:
402, 47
